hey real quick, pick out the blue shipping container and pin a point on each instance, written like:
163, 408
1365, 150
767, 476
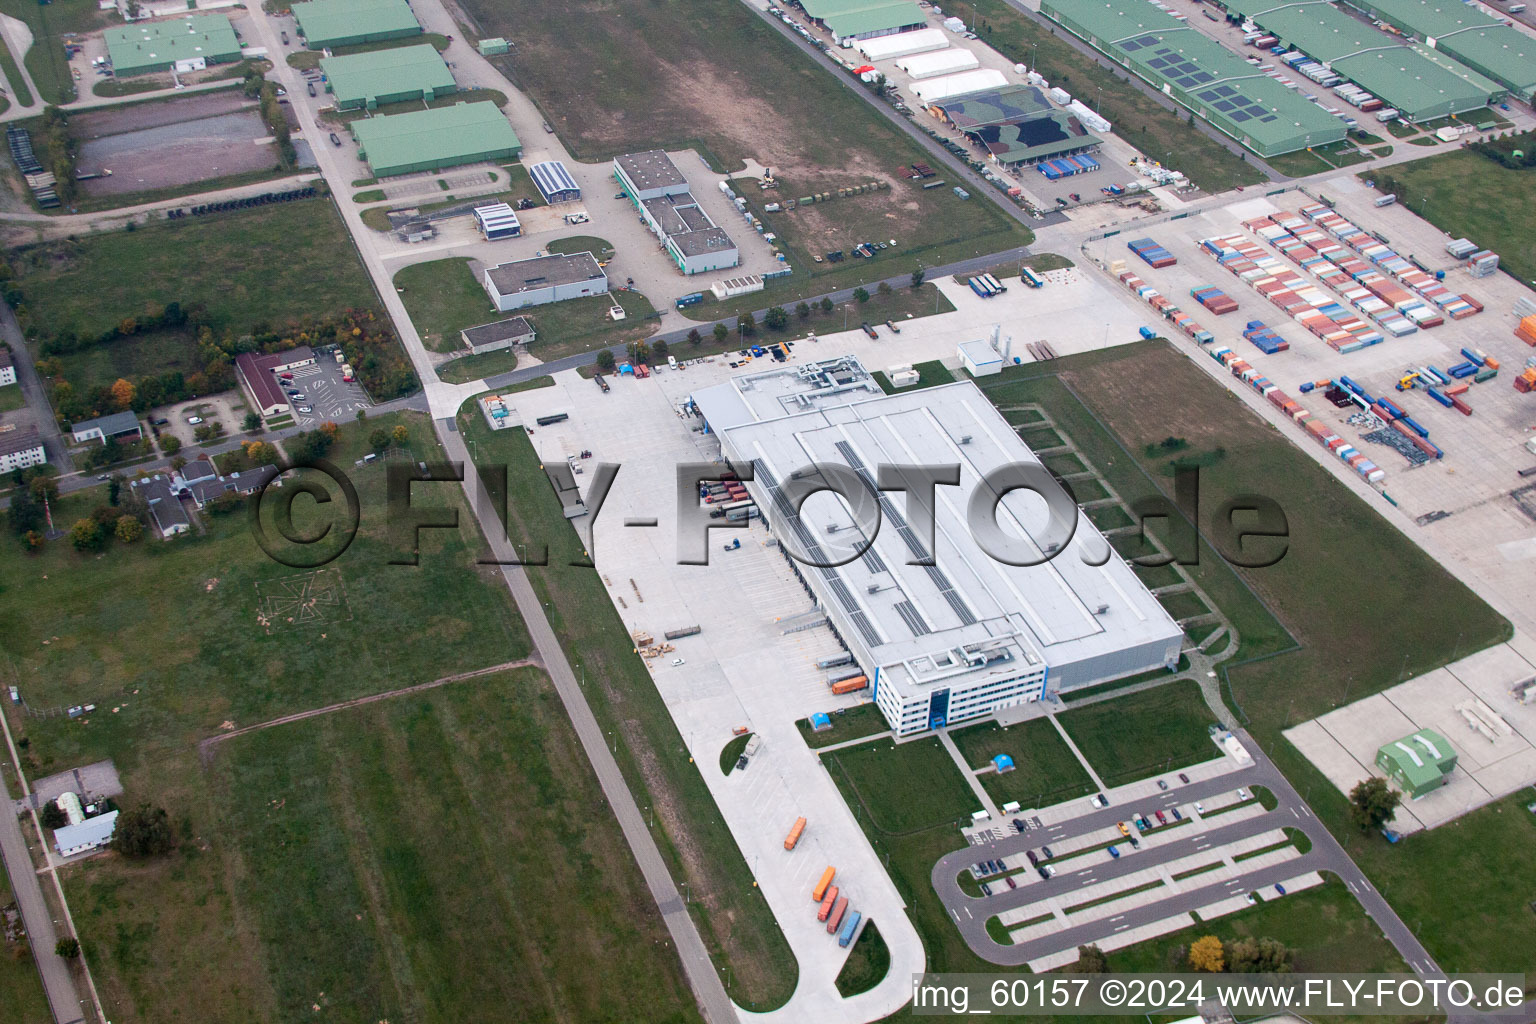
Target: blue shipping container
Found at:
852, 925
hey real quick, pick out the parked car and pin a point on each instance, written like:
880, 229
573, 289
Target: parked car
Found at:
1184, 778
1176, 815
1125, 829
1011, 883
1100, 800
305, 408
676, 662
1279, 888
1050, 872
986, 890
286, 376
1033, 859
1043, 875
1161, 819
312, 91
1114, 853
741, 764
1045, 851
1162, 784
1135, 843
194, 420
1199, 808
1243, 794
335, 139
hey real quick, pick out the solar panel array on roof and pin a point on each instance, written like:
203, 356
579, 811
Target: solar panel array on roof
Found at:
1234, 104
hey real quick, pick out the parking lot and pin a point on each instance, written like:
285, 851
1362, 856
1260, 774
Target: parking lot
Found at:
319, 388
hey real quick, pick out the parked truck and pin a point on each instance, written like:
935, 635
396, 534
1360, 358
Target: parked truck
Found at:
827, 905
795, 832
850, 928
820, 891
835, 919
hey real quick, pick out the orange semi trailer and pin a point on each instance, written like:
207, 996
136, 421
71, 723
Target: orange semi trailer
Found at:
794, 834
850, 685
827, 904
821, 887
835, 919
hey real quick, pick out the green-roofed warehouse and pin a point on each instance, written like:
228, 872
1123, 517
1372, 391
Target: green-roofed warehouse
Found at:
431, 140
1200, 73
1419, 762
146, 47
366, 80
1420, 83
1484, 44
865, 19
326, 24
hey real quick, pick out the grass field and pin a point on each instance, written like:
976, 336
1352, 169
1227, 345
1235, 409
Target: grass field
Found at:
598, 247
185, 653
18, 86
867, 963
1044, 769
731, 752
930, 375
429, 840
444, 298
881, 774
1149, 731
48, 22
855, 723
1148, 126
149, 353
247, 267
11, 398
721, 67
733, 918
1468, 196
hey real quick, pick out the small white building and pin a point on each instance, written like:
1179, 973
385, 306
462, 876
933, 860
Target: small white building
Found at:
543, 279
90, 834
980, 358
514, 333
649, 175
938, 62
7, 368
21, 448
497, 220
119, 424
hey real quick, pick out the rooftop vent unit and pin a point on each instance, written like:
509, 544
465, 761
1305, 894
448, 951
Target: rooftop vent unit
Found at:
1101, 609
965, 438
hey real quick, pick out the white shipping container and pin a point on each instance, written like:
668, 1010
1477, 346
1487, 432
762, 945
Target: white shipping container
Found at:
1061, 96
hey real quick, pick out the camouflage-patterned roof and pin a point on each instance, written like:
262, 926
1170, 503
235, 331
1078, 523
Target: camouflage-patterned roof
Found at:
1033, 139
997, 106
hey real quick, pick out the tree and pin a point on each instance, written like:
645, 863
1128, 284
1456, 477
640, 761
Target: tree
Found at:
605, 359
252, 422
640, 352
260, 453
52, 816
1206, 954
776, 319
122, 393
44, 488
170, 444
26, 513
826, 305
1090, 960
1258, 956
203, 431
803, 310
143, 832
67, 947
721, 333
885, 288
917, 278
694, 337
362, 414
115, 489
33, 540
860, 296
747, 325
401, 433
87, 535
330, 431
128, 529
659, 351
1372, 803
379, 439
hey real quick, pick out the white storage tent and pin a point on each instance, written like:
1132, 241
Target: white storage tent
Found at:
935, 89
902, 43
939, 62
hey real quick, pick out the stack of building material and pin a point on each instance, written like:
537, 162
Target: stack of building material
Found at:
1153, 253
1526, 331
1214, 299
1483, 263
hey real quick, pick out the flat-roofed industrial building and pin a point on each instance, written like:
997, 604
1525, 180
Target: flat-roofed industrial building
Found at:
956, 640
1232, 95
850, 20
432, 140
1464, 31
185, 44
660, 192
327, 24
363, 81
543, 279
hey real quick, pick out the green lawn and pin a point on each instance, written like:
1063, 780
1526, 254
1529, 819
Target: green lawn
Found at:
867, 963
18, 86
1299, 164
734, 64
48, 22
881, 777
1144, 733
171, 940
444, 298
598, 247
930, 375
477, 367
1468, 196
1044, 769
248, 267
854, 723
1139, 119
11, 398
733, 918
428, 842
152, 352
731, 753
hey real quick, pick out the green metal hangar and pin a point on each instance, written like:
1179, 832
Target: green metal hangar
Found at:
1418, 82
849, 20
363, 81
1017, 125
1484, 44
1198, 72
326, 24
432, 140
185, 44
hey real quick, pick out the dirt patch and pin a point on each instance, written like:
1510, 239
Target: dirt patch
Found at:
96, 124
177, 154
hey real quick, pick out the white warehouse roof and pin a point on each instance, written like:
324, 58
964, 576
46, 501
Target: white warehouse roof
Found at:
89, 834
939, 62
1085, 622
902, 43
962, 84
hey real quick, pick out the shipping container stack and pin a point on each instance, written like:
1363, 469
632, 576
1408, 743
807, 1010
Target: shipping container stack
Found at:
1067, 166
1425, 287
1525, 383
1214, 299
1264, 338
1155, 255
1152, 297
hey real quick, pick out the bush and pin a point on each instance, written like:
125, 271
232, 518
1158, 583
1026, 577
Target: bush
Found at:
605, 360
143, 832
170, 444
67, 947
87, 535
52, 816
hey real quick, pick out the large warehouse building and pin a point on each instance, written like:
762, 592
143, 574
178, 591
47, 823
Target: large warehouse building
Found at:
850, 20
1199, 73
956, 640
326, 24
660, 192
185, 44
363, 81
543, 279
1419, 83
1017, 125
1482, 43
431, 140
